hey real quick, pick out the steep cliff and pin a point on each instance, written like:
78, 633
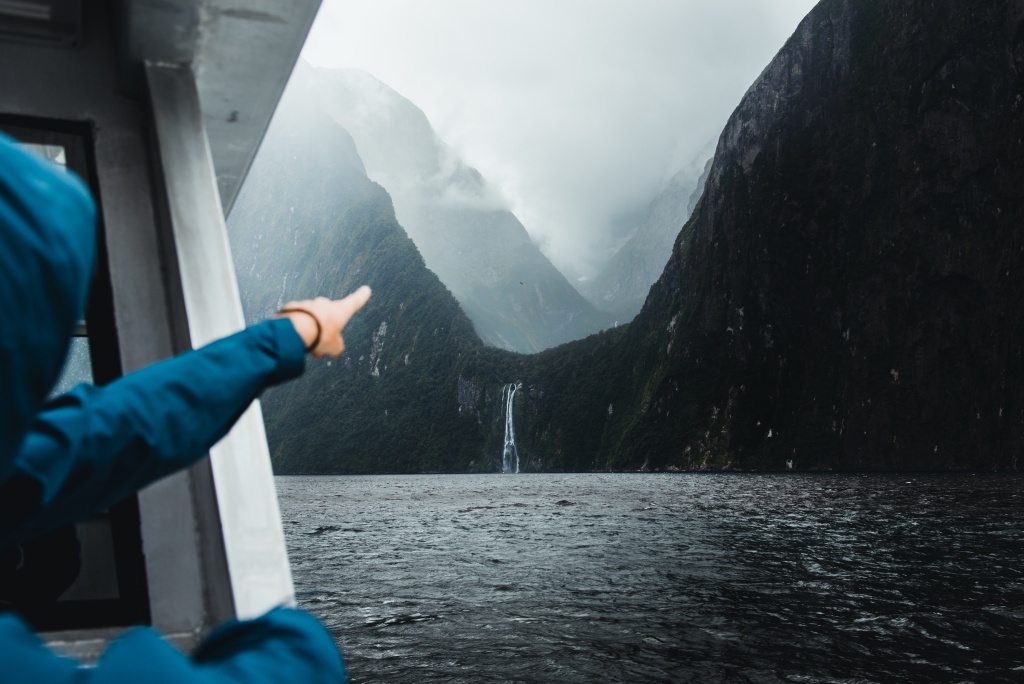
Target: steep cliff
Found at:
308, 221
848, 292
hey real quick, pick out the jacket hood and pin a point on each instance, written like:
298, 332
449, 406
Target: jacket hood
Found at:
47, 245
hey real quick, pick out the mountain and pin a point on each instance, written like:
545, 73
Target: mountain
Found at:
461, 225
308, 221
622, 285
846, 294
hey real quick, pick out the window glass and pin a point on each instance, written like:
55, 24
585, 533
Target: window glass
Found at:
54, 153
77, 367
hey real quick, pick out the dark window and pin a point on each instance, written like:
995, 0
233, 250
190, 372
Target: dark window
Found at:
50, 22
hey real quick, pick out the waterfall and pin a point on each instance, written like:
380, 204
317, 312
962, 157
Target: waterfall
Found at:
510, 455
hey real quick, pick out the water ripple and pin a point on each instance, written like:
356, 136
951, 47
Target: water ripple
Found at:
658, 578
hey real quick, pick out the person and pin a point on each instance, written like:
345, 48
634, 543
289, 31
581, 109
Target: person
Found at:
91, 447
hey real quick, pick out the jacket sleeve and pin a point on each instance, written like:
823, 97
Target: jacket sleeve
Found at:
94, 445
282, 646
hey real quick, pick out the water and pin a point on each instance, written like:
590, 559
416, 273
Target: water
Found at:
648, 578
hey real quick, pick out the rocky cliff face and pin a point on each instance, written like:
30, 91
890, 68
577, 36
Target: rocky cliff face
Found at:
848, 292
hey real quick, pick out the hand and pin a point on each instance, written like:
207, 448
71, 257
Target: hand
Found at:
333, 315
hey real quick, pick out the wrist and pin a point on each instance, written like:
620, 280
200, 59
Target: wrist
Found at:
306, 324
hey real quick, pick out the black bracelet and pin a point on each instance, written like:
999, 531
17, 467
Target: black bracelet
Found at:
319, 330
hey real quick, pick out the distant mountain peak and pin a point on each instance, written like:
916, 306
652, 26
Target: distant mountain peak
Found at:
460, 223
622, 285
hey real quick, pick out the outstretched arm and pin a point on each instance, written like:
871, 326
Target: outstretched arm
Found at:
95, 445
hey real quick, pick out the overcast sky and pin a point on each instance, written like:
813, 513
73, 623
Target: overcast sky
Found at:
578, 110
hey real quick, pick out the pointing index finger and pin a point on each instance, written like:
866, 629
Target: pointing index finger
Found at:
348, 306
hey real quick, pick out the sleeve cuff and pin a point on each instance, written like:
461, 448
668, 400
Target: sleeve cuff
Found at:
291, 350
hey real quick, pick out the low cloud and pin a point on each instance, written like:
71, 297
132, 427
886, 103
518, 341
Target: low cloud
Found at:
457, 186
577, 111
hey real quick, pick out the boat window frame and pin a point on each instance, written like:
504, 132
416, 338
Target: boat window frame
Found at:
132, 605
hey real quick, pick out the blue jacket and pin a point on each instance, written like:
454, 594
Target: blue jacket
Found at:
94, 446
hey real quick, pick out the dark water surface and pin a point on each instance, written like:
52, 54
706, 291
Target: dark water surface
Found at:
645, 578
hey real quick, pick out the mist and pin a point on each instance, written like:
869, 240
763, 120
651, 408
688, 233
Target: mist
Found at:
577, 111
